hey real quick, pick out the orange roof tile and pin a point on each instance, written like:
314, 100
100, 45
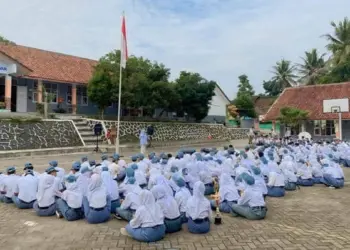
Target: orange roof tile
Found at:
310, 98
48, 65
262, 104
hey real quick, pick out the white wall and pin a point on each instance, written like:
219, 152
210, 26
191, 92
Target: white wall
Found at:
218, 104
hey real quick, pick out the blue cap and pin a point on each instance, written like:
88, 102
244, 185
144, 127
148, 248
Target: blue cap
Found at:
141, 156
84, 158
219, 161
174, 169
134, 166
131, 180
180, 182
155, 159
11, 170
50, 169
164, 161
71, 178
151, 155
28, 165
53, 163
256, 170
104, 157
76, 166
115, 157
134, 158
104, 168
92, 162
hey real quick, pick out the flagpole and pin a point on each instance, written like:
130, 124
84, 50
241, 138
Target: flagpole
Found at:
120, 92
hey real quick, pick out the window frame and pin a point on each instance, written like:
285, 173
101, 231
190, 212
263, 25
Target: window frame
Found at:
323, 126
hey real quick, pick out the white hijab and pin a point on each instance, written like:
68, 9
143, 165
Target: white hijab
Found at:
160, 180
149, 212
72, 195
110, 185
97, 193
228, 190
198, 205
166, 202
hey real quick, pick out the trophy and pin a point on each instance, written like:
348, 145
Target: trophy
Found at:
216, 197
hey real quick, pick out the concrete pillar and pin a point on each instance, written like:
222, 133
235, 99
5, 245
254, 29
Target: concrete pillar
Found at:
40, 91
8, 90
74, 99
337, 129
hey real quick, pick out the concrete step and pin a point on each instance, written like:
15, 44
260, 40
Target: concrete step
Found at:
86, 132
81, 129
81, 124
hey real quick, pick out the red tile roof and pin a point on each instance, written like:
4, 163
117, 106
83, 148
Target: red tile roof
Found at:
48, 65
262, 104
310, 98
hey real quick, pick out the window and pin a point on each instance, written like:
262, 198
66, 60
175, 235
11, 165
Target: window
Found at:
35, 92
52, 90
82, 98
323, 127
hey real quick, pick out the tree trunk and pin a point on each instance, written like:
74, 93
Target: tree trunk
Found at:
45, 106
161, 113
102, 111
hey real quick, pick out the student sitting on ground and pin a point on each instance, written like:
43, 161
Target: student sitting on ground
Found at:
251, 204
148, 222
198, 210
25, 191
69, 205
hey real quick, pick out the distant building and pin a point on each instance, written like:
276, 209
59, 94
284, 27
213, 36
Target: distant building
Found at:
323, 102
262, 104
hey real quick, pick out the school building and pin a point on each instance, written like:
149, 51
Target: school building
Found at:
25, 72
328, 107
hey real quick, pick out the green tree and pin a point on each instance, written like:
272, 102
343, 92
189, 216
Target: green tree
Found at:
284, 76
339, 42
292, 116
5, 41
244, 86
195, 93
245, 105
312, 68
99, 90
271, 88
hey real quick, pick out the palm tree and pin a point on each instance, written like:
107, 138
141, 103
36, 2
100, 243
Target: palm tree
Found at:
312, 68
284, 74
339, 43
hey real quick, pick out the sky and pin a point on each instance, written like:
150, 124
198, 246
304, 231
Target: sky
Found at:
220, 39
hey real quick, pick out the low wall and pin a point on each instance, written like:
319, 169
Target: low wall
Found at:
129, 131
36, 135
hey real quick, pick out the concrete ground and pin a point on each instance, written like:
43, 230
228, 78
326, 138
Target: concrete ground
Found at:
310, 218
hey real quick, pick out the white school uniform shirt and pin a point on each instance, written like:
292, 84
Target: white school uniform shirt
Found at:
276, 180
132, 199
228, 190
149, 213
332, 172
140, 177
182, 195
10, 184
27, 187
251, 197
167, 203
47, 189
198, 207
289, 175
260, 184
72, 195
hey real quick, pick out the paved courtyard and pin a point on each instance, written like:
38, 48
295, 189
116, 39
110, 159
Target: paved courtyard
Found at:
310, 218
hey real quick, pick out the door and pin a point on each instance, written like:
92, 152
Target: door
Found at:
22, 96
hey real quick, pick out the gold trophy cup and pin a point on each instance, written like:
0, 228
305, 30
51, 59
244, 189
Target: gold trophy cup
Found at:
216, 197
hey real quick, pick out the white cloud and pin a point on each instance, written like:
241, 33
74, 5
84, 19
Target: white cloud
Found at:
220, 39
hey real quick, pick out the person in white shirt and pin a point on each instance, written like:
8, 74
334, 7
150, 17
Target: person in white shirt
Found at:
170, 209
69, 205
97, 203
228, 194
112, 188
182, 195
198, 210
132, 201
251, 204
275, 186
28, 165
290, 179
139, 176
259, 180
304, 174
148, 222
25, 191
48, 189
9, 185
331, 176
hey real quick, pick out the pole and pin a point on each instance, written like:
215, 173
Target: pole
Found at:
119, 104
340, 127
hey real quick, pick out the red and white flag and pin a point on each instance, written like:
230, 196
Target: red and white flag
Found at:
124, 45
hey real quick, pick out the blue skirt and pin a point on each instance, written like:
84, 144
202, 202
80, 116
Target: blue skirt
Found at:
147, 234
290, 186
305, 182
275, 191
199, 226
173, 225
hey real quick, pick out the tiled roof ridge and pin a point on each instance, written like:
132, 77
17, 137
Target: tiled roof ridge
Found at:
43, 50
